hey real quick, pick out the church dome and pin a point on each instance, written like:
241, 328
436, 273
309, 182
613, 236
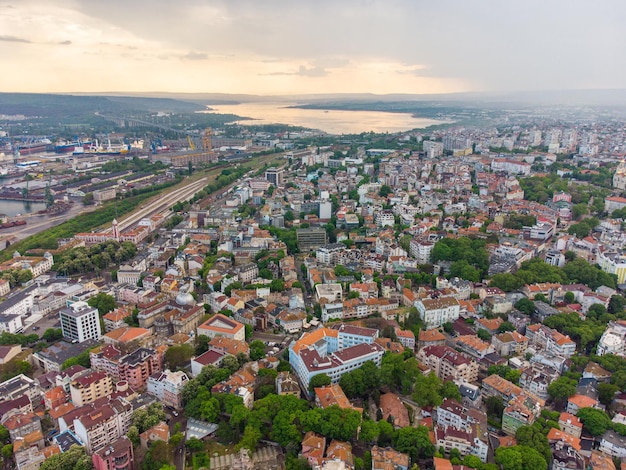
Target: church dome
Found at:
185, 298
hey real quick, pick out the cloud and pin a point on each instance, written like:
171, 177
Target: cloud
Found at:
14, 39
302, 71
195, 56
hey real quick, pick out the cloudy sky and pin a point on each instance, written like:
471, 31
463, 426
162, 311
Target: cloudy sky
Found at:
311, 46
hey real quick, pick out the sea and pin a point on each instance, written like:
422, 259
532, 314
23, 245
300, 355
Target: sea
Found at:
331, 121
12, 208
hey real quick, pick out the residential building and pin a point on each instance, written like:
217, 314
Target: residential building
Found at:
614, 262
168, 386
275, 176
436, 312
465, 440
521, 411
135, 368
536, 378
393, 409
510, 343
89, 387
474, 346
320, 352
577, 402
332, 395
449, 364
570, 424
613, 444
545, 338
80, 322
388, 459
99, 424
118, 455
287, 384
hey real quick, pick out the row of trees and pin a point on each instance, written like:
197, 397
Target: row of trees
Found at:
536, 270
94, 258
469, 256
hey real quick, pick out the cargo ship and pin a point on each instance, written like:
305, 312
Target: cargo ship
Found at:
28, 148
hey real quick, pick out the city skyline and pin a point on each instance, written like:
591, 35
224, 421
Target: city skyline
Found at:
281, 47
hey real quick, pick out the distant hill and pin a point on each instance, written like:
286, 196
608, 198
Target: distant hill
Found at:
49, 105
616, 97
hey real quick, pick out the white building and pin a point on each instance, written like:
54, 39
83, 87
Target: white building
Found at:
80, 322
385, 218
613, 339
421, 250
436, 312
168, 387
613, 262
333, 352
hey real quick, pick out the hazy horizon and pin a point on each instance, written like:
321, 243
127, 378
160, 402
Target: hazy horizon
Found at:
299, 47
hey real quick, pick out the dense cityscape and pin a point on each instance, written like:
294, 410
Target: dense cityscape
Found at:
217, 295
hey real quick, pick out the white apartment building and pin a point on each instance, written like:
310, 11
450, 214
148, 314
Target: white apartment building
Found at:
333, 352
329, 254
613, 339
385, 218
80, 322
99, 426
421, 250
168, 386
436, 312
543, 337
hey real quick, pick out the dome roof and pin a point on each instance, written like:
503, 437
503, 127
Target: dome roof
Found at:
185, 298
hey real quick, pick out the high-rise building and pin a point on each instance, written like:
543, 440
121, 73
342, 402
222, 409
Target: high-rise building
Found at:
80, 322
275, 176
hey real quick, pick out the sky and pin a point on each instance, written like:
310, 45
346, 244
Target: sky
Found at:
311, 46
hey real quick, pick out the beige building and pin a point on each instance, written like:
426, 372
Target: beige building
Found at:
447, 363
90, 387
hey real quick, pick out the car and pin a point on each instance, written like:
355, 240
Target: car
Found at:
35, 328
175, 413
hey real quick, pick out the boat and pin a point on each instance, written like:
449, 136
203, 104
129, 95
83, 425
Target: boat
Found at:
28, 148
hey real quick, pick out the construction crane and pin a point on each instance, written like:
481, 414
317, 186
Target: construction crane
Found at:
192, 146
206, 140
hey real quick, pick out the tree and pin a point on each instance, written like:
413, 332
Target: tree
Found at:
179, 356
483, 334
525, 306
427, 390
385, 191
506, 326
595, 421
88, 199
561, 389
495, 407
319, 380
415, 442
52, 335
257, 350
133, 435
617, 304
194, 444
533, 436
569, 297
606, 393
369, 432
520, 458
105, 303
75, 458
